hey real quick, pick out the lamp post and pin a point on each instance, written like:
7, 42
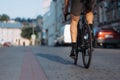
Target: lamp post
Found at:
33, 36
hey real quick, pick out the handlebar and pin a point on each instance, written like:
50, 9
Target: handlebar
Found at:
65, 16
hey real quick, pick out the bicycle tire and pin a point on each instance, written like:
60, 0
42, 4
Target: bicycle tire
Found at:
78, 42
76, 59
86, 46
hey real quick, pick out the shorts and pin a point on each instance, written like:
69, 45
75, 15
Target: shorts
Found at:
78, 5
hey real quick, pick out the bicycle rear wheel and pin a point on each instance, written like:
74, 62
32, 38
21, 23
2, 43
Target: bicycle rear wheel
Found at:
86, 46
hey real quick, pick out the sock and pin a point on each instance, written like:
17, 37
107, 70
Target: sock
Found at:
73, 45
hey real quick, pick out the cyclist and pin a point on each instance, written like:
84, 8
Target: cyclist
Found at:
76, 8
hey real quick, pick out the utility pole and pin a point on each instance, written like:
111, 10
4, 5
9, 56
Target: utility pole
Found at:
33, 36
56, 29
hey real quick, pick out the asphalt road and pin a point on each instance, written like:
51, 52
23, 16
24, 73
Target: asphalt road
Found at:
54, 63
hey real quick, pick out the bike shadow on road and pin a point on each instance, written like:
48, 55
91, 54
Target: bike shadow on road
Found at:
54, 58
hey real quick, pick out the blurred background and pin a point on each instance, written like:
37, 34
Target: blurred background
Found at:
41, 22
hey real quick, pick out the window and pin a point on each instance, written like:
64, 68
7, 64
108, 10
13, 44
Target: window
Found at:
118, 4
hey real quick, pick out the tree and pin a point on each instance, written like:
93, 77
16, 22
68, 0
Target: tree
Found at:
4, 17
39, 16
27, 32
18, 19
0, 16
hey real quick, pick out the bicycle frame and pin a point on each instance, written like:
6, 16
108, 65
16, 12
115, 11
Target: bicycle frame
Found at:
84, 43
80, 27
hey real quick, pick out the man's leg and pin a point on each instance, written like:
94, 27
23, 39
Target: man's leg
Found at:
73, 30
90, 18
76, 7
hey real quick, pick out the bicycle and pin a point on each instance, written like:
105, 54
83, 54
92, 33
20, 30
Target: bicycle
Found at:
84, 41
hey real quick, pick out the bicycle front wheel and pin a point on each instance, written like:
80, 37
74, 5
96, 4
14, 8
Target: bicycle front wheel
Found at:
86, 46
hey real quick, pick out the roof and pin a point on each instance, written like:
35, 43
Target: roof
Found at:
10, 25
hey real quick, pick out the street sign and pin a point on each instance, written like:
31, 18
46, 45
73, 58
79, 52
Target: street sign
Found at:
33, 36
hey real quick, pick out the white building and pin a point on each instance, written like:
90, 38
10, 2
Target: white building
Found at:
39, 24
11, 32
52, 20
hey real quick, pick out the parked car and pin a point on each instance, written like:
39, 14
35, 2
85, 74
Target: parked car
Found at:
59, 41
7, 44
65, 38
107, 36
0, 45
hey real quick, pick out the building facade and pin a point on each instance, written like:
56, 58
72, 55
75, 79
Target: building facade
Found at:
108, 13
52, 21
39, 26
11, 32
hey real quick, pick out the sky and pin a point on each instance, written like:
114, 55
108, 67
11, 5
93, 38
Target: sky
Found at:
22, 8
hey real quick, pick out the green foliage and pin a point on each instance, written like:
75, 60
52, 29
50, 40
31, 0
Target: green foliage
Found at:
27, 32
39, 16
4, 17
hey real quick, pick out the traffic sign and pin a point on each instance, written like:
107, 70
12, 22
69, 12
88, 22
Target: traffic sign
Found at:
33, 36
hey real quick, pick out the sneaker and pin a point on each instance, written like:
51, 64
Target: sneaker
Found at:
73, 54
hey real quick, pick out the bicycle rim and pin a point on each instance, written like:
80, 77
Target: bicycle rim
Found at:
76, 59
87, 47
78, 42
